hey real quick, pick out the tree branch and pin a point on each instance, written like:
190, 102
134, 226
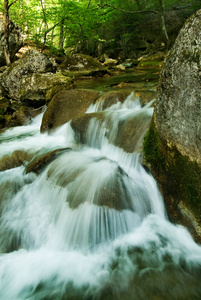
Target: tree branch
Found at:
51, 28
12, 3
89, 3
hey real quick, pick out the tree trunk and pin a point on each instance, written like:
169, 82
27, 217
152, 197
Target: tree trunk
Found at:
162, 23
44, 23
6, 34
61, 33
61, 37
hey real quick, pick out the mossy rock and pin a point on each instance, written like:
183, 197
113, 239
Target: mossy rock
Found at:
150, 64
152, 61
4, 105
33, 79
80, 62
178, 177
37, 89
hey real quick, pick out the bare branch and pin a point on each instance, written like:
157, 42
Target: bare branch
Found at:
12, 3
51, 28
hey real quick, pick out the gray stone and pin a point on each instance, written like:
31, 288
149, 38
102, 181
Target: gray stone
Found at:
172, 146
33, 78
178, 109
80, 62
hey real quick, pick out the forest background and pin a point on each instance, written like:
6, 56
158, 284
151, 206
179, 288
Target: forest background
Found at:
116, 28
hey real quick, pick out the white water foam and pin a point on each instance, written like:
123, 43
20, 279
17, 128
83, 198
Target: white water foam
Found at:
92, 225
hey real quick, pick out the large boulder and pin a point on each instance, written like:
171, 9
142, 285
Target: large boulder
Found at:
66, 105
15, 39
79, 65
33, 79
78, 62
173, 143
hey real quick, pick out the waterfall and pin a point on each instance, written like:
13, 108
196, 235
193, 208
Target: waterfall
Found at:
90, 223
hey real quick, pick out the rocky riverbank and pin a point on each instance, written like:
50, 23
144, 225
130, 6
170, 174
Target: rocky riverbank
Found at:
173, 143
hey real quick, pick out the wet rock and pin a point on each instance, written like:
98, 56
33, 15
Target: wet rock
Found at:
16, 159
81, 123
31, 78
25, 114
15, 39
112, 194
111, 191
131, 133
13, 114
128, 135
66, 105
173, 143
145, 96
110, 98
40, 162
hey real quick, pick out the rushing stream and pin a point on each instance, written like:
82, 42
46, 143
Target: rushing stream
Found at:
91, 223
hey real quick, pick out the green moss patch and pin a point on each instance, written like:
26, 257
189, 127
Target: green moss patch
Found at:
150, 63
178, 177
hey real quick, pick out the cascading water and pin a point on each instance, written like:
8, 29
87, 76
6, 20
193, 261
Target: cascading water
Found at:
90, 224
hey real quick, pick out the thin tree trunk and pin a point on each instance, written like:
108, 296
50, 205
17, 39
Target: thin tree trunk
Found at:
6, 34
162, 23
89, 3
44, 22
62, 26
61, 37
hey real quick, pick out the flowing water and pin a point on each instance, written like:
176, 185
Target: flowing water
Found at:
91, 223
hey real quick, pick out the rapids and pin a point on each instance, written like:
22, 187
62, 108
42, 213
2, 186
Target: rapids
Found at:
92, 223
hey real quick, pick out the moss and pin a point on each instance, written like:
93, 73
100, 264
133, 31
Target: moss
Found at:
178, 177
151, 147
150, 63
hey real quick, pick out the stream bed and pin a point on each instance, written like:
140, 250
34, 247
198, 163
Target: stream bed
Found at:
91, 223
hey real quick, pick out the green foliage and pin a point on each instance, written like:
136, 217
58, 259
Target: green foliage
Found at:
84, 24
